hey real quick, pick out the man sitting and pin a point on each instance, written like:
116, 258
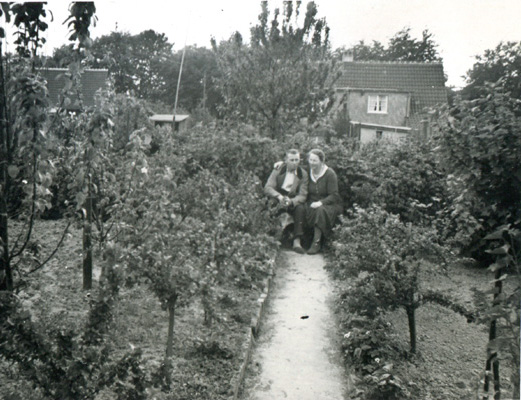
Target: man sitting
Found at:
288, 183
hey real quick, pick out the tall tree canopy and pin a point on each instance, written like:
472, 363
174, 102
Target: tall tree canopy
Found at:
282, 75
136, 62
503, 62
401, 47
197, 87
146, 65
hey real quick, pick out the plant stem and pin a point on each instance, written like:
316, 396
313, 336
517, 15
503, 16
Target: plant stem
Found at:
492, 361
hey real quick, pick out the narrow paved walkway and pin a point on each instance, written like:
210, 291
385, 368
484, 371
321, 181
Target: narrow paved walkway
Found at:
296, 353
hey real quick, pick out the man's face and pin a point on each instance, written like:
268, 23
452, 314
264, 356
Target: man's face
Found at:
292, 161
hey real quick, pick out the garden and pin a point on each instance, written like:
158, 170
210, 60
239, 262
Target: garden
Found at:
132, 255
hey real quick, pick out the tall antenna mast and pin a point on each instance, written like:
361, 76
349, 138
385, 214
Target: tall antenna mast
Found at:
179, 83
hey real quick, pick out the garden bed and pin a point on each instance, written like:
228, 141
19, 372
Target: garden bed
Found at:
451, 352
206, 358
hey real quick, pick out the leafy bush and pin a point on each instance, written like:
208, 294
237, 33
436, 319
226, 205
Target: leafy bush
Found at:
227, 150
68, 363
478, 142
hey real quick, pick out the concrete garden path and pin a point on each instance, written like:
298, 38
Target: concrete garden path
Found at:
297, 354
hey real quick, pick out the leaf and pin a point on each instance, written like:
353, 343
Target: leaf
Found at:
13, 171
503, 250
498, 233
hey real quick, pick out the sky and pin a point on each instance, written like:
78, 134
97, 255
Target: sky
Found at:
461, 28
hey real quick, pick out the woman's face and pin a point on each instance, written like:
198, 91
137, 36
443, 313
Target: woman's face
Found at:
314, 162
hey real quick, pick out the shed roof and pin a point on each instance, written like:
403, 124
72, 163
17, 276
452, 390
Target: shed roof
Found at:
91, 81
425, 81
168, 117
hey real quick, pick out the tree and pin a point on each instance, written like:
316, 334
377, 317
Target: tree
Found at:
365, 52
401, 47
503, 62
138, 63
189, 232
23, 131
386, 255
283, 75
198, 87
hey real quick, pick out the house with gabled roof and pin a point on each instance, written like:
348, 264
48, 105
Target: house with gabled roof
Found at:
388, 100
91, 81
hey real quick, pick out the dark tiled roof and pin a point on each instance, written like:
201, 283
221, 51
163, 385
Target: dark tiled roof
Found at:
425, 81
91, 81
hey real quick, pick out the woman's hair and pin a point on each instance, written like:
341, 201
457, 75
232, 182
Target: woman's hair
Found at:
319, 153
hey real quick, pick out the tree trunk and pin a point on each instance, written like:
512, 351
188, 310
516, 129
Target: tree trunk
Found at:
87, 240
412, 327
492, 364
170, 339
6, 274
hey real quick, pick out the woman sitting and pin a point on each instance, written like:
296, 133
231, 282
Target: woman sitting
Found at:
323, 204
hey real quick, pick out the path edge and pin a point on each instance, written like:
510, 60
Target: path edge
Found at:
254, 328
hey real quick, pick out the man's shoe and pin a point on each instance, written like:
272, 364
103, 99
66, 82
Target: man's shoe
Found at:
299, 250
315, 248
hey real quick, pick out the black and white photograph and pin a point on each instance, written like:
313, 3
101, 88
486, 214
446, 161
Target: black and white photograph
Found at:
260, 200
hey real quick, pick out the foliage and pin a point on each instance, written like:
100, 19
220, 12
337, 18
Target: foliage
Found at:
228, 150
479, 144
68, 364
198, 87
504, 312
82, 15
138, 63
401, 47
502, 62
28, 18
386, 256
283, 75
190, 233
407, 179
370, 349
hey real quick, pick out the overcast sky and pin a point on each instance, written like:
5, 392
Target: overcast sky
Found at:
461, 28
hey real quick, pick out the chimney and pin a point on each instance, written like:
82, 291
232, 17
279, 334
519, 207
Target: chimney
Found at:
348, 56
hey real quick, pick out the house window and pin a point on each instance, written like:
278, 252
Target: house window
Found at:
377, 104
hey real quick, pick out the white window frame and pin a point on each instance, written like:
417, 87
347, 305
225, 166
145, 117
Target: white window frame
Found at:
377, 104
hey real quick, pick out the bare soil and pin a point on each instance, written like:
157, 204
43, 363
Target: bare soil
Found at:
206, 358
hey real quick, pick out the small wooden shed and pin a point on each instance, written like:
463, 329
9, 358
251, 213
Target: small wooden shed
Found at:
167, 119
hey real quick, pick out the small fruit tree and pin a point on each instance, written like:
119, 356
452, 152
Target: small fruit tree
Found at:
385, 255
187, 233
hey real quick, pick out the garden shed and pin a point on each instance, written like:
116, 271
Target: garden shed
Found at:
167, 119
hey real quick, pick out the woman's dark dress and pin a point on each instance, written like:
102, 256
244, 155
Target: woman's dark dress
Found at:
325, 189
